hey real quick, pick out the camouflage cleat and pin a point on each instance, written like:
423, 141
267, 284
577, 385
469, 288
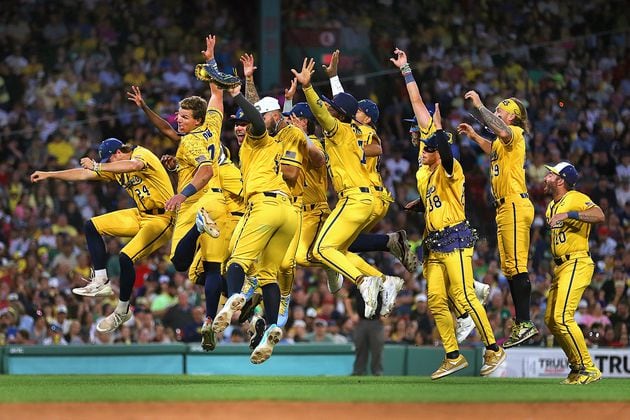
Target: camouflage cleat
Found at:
208, 339
521, 332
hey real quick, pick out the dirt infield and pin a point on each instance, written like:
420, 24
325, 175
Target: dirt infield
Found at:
307, 410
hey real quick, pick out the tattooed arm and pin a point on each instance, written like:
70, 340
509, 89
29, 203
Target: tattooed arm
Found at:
496, 124
248, 70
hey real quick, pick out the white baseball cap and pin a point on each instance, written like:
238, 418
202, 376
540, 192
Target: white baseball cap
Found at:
267, 104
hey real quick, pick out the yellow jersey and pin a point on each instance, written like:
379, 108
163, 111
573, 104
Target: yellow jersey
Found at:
443, 196
199, 148
345, 158
316, 185
260, 165
507, 165
572, 235
232, 185
293, 143
149, 187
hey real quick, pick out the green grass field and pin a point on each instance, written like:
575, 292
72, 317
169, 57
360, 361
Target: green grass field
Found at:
80, 388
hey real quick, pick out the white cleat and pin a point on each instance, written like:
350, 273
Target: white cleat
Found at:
205, 223
262, 352
224, 317
482, 291
464, 327
391, 287
113, 321
335, 280
94, 289
369, 288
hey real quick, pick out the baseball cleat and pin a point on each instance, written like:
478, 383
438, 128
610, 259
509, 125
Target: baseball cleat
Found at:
587, 376
256, 331
283, 313
224, 317
249, 308
482, 291
335, 280
263, 350
369, 288
573, 376
94, 288
491, 361
208, 339
450, 366
464, 327
390, 287
399, 246
521, 332
113, 321
205, 223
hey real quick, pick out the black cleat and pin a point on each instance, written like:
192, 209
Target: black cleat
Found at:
249, 307
256, 331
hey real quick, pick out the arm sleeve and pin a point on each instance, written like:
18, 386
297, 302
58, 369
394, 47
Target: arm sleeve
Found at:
444, 149
288, 105
335, 85
252, 114
320, 111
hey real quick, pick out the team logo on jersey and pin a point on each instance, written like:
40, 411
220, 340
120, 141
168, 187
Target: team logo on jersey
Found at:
430, 191
494, 156
130, 182
207, 134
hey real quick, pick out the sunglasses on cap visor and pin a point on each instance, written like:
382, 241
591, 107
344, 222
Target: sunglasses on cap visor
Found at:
430, 149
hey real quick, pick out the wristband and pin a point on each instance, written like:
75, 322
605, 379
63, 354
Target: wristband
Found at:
188, 190
409, 77
405, 68
573, 215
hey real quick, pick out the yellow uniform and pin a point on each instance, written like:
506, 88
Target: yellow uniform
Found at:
199, 148
448, 267
572, 274
265, 231
315, 209
515, 212
351, 181
148, 224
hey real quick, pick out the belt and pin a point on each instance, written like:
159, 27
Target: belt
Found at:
309, 207
564, 258
217, 190
274, 194
237, 213
501, 201
349, 191
295, 199
379, 189
154, 211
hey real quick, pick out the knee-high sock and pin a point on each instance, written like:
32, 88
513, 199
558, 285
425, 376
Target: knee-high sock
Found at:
271, 300
235, 279
127, 277
96, 246
213, 287
185, 250
521, 290
367, 242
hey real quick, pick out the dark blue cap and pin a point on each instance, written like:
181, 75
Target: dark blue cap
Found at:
566, 171
370, 109
107, 148
432, 141
344, 103
239, 117
301, 110
414, 124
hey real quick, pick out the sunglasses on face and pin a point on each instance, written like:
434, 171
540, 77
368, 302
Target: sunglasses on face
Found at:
430, 149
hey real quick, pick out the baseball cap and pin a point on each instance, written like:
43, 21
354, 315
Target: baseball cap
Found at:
108, 147
370, 109
421, 297
344, 103
566, 171
239, 117
301, 110
267, 104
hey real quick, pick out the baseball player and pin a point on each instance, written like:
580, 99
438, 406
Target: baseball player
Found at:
149, 224
515, 212
570, 215
351, 181
449, 241
264, 232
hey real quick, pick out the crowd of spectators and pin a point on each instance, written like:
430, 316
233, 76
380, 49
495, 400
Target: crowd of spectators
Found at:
64, 71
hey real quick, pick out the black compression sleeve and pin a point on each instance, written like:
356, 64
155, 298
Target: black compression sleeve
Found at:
252, 114
444, 149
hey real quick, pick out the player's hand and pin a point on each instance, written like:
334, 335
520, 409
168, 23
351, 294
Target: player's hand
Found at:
304, 76
248, 65
466, 129
135, 96
169, 162
234, 91
331, 69
437, 117
208, 53
415, 205
174, 202
556, 221
401, 58
474, 97
38, 176
87, 163
290, 92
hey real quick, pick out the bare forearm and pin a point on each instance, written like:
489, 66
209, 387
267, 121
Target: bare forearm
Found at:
202, 176
316, 156
592, 215
122, 166
495, 123
484, 143
75, 174
372, 150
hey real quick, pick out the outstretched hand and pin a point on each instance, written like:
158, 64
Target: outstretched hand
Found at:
248, 65
38, 176
331, 69
135, 96
208, 53
290, 92
474, 97
304, 76
401, 58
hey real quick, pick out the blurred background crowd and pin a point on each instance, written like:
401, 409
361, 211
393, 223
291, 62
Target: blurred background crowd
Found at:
64, 71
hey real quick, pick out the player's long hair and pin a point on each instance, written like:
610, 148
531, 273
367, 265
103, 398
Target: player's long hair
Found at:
197, 105
522, 121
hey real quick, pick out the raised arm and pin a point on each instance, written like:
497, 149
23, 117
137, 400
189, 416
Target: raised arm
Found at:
496, 124
331, 71
216, 94
316, 105
250, 111
444, 148
288, 96
248, 71
160, 123
484, 143
419, 108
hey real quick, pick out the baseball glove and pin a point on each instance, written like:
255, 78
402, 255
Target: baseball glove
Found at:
210, 74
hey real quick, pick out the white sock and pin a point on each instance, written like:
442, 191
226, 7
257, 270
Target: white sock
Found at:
101, 276
122, 307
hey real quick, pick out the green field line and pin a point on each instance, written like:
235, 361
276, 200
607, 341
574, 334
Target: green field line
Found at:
94, 388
